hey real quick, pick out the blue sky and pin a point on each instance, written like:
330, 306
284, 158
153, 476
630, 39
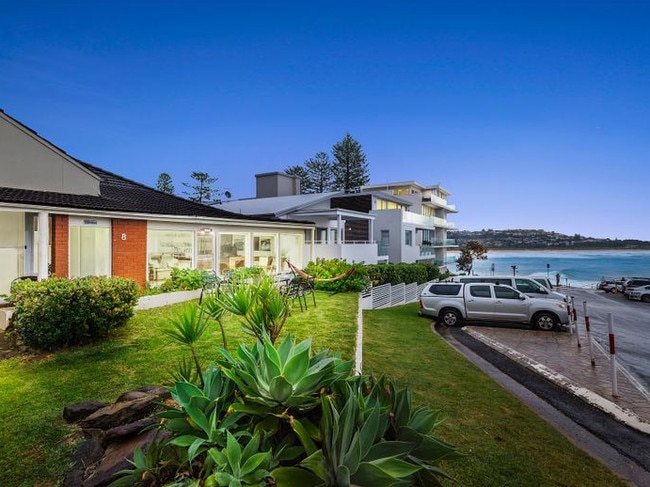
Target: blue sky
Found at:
532, 114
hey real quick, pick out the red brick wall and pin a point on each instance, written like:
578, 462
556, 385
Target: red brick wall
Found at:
129, 249
59, 238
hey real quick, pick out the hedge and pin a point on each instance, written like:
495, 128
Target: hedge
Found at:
59, 312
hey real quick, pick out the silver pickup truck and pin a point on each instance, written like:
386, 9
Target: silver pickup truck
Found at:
453, 302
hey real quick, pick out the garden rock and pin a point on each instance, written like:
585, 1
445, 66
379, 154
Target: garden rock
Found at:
160, 392
119, 413
81, 410
116, 458
113, 432
129, 429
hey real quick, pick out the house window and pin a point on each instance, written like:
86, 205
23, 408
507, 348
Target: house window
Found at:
233, 248
408, 237
168, 249
265, 251
205, 250
90, 248
291, 249
12, 248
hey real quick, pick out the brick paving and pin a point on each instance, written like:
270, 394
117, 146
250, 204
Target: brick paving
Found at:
557, 356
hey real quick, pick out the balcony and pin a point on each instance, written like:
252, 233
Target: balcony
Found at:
426, 221
350, 250
447, 242
438, 201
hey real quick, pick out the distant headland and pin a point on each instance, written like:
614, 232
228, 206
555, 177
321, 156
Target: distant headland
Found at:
542, 239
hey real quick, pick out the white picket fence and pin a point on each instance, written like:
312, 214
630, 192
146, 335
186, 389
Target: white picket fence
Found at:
388, 295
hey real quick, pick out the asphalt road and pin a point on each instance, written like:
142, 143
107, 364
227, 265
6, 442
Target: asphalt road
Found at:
631, 328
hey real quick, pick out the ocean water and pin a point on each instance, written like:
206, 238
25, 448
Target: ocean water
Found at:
577, 268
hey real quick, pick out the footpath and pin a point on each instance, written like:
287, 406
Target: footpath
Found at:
559, 374
557, 357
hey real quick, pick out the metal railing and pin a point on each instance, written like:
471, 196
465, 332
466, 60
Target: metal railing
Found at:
388, 295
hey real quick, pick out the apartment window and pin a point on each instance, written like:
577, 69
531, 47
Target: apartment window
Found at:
408, 237
384, 242
388, 205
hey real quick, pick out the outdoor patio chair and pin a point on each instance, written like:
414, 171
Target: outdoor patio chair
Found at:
307, 287
211, 285
294, 290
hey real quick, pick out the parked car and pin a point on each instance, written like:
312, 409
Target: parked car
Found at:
633, 283
613, 286
453, 302
640, 293
544, 281
524, 284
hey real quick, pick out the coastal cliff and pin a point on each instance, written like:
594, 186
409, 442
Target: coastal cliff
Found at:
542, 239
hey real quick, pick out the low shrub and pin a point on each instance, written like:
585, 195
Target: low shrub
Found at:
58, 312
244, 273
182, 279
397, 273
332, 268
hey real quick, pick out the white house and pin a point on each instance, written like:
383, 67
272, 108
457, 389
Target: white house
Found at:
62, 216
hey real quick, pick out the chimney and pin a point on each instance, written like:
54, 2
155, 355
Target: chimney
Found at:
271, 184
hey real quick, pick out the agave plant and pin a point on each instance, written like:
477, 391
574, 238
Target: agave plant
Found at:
351, 453
414, 424
147, 468
286, 377
370, 435
200, 419
234, 466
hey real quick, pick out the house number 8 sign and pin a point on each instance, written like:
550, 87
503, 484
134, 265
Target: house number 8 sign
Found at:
124, 236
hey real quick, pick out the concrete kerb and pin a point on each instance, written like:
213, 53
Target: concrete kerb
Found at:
622, 415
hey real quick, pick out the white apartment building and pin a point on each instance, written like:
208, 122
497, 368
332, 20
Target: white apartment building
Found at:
391, 222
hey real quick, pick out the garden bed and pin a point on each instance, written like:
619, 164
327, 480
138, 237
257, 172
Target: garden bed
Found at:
165, 299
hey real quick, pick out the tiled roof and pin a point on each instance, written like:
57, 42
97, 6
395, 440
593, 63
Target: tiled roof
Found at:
277, 205
121, 195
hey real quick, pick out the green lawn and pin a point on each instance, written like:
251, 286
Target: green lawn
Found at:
506, 444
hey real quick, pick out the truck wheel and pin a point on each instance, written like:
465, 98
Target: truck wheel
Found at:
449, 317
545, 321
